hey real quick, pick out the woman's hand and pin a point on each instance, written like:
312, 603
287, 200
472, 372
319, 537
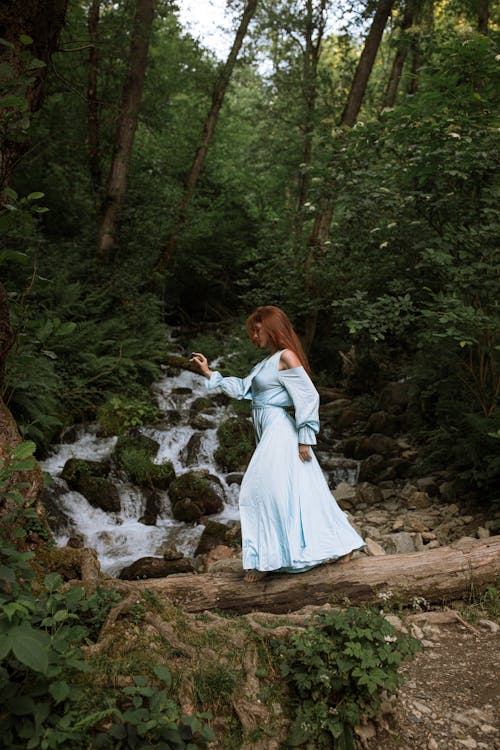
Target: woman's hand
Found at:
304, 452
202, 363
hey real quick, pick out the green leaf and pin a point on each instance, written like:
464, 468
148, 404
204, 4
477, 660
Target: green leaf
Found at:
30, 646
59, 691
25, 449
25, 39
164, 674
35, 196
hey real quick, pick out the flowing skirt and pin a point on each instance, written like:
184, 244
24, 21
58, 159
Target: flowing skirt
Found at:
290, 521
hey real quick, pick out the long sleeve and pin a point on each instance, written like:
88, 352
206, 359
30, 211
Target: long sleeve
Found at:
235, 387
305, 399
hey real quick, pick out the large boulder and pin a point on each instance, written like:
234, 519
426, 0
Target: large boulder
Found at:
214, 534
194, 495
88, 478
394, 397
236, 444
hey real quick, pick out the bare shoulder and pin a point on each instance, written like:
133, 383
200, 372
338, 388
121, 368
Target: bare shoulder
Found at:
289, 359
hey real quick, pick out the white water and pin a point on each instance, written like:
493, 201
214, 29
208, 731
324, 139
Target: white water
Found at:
120, 538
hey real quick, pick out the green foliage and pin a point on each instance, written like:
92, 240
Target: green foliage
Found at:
214, 685
118, 413
338, 670
43, 676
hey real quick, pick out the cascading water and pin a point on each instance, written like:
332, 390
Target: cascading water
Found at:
121, 538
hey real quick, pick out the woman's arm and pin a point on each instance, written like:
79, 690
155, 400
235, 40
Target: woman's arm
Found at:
231, 386
305, 400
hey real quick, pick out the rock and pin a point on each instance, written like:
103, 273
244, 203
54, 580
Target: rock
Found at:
399, 543
419, 500
490, 625
153, 507
433, 545
377, 516
201, 422
432, 744
469, 742
192, 450
344, 491
187, 511
214, 534
193, 495
383, 423
201, 403
372, 468
368, 493
483, 533
88, 478
235, 477
427, 484
137, 442
236, 444
348, 416
58, 520
373, 548
230, 565
154, 567
172, 553
376, 443
447, 490
76, 541
396, 622
221, 552
398, 523
394, 397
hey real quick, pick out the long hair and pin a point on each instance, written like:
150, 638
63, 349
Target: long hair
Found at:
279, 329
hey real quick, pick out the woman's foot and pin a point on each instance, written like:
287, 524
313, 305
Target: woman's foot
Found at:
345, 558
252, 576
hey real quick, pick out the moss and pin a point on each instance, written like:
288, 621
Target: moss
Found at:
193, 489
236, 444
119, 413
134, 453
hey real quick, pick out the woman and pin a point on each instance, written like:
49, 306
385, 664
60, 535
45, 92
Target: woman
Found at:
289, 520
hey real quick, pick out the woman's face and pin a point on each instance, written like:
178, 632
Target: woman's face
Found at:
259, 336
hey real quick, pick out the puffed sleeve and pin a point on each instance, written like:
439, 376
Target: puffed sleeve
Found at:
235, 387
305, 399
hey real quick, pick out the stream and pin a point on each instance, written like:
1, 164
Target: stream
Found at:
120, 538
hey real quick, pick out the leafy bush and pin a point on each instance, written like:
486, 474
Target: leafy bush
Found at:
338, 670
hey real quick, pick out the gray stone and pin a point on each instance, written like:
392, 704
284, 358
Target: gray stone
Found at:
344, 491
483, 533
368, 493
373, 548
399, 543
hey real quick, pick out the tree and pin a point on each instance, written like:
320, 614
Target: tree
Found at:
323, 220
218, 95
126, 128
93, 102
409, 15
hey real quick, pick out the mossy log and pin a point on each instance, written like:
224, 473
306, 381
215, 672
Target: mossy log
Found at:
437, 575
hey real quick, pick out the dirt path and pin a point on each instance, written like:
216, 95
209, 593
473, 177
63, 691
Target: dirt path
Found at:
451, 696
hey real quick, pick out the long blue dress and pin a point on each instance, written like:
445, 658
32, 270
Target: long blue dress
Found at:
290, 521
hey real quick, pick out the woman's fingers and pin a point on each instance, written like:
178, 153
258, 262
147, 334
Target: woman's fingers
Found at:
304, 453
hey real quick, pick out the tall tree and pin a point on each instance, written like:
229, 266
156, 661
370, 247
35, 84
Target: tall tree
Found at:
314, 29
409, 14
483, 14
218, 95
323, 220
93, 102
126, 128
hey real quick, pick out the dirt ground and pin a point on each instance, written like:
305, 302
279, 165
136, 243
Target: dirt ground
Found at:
451, 696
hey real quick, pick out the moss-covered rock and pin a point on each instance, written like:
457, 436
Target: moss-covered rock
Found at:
236, 444
155, 567
201, 404
134, 455
89, 479
193, 495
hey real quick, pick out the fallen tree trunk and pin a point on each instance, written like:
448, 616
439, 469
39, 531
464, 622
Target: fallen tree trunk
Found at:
438, 575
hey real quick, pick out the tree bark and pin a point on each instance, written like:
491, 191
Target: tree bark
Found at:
483, 15
309, 87
365, 64
437, 575
93, 102
192, 178
127, 125
400, 56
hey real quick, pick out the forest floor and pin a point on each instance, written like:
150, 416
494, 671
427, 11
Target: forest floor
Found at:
450, 699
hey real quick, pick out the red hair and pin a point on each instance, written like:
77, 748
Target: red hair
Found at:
279, 329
